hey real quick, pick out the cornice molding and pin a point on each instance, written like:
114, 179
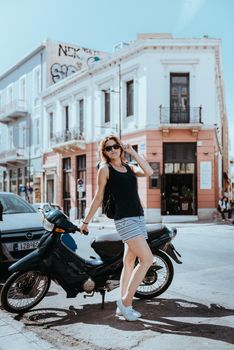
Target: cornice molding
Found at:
135, 49
169, 62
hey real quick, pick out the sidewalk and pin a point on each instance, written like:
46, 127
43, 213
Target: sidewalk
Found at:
105, 223
13, 335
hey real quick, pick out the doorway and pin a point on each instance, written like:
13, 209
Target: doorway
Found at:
50, 189
179, 194
179, 189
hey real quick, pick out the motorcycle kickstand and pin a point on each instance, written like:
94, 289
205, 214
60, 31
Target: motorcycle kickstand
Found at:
103, 292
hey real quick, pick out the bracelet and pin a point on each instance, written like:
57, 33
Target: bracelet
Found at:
86, 223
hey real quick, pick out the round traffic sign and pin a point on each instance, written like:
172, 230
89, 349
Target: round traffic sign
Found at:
80, 182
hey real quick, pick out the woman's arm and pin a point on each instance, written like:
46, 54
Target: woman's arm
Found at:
102, 177
144, 165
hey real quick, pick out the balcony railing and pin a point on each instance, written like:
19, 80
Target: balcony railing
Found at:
67, 135
68, 139
13, 157
13, 110
169, 115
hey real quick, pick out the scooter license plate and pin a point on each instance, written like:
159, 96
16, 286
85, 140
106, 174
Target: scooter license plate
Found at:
26, 245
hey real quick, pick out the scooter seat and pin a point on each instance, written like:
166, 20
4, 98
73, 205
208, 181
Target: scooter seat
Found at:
108, 237
108, 245
155, 231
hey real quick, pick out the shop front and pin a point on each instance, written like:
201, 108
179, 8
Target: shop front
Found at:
179, 179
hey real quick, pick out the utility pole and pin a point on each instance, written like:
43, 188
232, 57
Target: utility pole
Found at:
120, 112
29, 157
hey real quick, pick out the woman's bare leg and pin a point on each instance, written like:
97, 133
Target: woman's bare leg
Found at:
138, 247
128, 266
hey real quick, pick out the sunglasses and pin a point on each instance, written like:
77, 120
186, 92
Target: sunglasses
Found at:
115, 146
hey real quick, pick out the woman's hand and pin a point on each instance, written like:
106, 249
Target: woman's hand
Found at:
144, 165
84, 227
129, 149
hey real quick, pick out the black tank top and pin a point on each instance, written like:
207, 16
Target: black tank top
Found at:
123, 187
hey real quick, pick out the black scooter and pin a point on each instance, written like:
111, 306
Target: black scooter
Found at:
53, 260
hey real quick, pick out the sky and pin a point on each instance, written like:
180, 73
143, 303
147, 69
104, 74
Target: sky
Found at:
100, 24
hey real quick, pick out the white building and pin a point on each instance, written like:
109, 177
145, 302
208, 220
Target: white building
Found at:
165, 96
21, 121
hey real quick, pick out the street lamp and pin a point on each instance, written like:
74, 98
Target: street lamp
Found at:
92, 59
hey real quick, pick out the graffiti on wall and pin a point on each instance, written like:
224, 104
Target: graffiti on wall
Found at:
61, 71
69, 60
73, 52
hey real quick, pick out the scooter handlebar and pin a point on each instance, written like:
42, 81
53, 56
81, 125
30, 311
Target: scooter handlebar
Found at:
84, 232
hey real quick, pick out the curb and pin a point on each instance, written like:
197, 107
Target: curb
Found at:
13, 334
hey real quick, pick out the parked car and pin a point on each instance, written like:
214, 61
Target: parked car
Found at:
20, 230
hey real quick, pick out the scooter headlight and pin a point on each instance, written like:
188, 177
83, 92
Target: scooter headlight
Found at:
48, 225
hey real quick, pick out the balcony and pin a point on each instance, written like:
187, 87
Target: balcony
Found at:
13, 111
68, 140
14, 157
180, 118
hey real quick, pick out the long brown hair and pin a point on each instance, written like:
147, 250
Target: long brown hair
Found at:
104, 157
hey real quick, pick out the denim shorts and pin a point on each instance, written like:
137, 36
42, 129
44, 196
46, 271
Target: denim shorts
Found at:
131, 227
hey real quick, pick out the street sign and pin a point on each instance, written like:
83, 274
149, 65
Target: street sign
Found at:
80, 185
80, 182
80, 188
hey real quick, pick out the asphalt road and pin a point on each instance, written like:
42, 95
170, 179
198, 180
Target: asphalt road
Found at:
197, 311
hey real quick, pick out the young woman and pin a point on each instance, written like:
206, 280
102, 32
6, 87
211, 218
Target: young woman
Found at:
129, 216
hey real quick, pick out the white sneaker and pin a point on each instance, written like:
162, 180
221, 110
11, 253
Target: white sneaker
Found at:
126, 311
119, 313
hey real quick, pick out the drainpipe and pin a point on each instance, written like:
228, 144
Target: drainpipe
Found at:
42, 126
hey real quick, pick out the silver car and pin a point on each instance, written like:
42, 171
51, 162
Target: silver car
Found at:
20, 230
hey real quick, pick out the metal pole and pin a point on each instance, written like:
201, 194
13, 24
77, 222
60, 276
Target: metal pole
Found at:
29, 155
120, 114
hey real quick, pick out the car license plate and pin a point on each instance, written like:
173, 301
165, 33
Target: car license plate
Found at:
26, 245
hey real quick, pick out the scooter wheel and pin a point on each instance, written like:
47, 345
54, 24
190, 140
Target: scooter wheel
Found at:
158, 278
23, 290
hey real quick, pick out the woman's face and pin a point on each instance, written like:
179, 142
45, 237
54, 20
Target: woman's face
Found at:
112, 149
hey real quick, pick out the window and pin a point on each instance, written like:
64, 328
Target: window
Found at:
179, 99
81, 174
37, 131
81, 116
5, 189
106, 106
66, 185
11, 143
66, 111
154, 180
179, 168
130, 97
81, 167
10, 94
37, 81
51, 125
13, 177
22, 90
22, 132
